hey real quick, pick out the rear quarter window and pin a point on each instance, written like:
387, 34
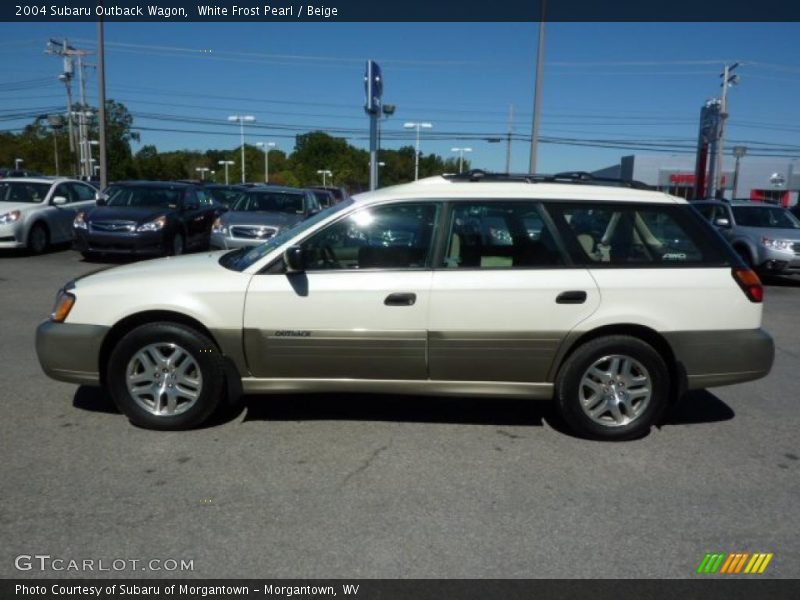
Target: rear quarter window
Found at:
638, 235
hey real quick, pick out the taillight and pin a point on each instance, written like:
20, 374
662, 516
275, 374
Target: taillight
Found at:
750, 284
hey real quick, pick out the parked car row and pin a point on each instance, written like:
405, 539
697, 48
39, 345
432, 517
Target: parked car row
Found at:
148, 218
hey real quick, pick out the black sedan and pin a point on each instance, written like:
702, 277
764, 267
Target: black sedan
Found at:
147, 218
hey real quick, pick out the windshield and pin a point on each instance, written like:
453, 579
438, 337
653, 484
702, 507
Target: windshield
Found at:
241, 259
22, 191
226, 196
773, 217
284, 202
149, 196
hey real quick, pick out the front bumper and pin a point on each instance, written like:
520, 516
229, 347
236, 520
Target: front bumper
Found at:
12, 235
714, 358
777, 261
70, 352
147, 242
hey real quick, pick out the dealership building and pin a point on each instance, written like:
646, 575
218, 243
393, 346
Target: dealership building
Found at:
774, 180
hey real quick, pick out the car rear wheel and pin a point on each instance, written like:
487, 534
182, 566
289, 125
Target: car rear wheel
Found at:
166, 376
613, 388
38, 239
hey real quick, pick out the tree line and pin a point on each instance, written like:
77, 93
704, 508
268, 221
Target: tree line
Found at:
312, 152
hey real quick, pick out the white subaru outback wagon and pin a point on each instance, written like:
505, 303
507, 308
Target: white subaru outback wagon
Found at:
609, 300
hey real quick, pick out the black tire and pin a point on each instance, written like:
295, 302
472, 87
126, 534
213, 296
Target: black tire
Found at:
569, 388
38, 239
89, 256
198, 346
176, 245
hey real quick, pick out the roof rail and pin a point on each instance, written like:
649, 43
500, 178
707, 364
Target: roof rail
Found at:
582, 177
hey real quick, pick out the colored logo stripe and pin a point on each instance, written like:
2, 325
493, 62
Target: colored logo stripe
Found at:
734, 563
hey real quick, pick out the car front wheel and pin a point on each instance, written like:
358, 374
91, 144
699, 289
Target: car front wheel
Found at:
166, 376
613, 388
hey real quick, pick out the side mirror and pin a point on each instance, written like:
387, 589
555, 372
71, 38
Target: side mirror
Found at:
100, 199
59, 200
722, 222
294, 259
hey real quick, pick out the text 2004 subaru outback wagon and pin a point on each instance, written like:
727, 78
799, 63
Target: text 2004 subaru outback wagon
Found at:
608, 300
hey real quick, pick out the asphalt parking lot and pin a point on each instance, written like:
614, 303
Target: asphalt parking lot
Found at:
342, 486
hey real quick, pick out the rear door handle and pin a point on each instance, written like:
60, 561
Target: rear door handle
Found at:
571, 297
400, 299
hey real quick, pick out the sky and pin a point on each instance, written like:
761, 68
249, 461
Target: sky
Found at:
605, 84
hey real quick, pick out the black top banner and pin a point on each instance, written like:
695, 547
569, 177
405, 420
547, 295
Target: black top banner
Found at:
399, 11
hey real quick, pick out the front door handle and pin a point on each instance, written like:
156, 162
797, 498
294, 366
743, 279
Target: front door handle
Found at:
571, 297
400, 299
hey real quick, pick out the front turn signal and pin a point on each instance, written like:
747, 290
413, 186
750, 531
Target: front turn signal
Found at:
64, 303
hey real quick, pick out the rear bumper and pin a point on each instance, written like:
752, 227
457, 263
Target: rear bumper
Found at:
715, 358
70, 352
146, 243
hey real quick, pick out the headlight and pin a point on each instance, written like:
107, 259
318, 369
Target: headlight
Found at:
64, 304
219, 227
80, 221
786, 245
154, 225
10, 217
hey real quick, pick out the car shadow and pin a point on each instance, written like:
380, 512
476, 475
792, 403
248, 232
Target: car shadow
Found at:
94, 399
699, 406
780, 281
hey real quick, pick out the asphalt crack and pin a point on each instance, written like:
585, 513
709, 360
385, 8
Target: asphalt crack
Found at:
365, 465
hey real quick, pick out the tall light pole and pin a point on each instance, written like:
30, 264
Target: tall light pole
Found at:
417, 126
325, 173
17, 162
728, 80
242, 119
738, 152
461, 156
537, 92
226, 163
266, 146
202, 171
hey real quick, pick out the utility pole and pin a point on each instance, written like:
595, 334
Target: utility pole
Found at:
537, 94
63, 49
101, 101
738, 152
510, 133
728, 80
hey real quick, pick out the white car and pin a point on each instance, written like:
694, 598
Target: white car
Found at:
36, 212
608, 300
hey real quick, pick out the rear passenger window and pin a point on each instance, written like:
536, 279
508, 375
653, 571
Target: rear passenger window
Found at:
499, 235
622, 234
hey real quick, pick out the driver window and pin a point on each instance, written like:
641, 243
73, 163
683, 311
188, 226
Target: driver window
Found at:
396, 236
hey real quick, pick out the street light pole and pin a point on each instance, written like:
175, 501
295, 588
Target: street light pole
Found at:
266, 146
202, 171
325, 173
537, 92
461, 156
417, 126
226, 163
17, 162
242, 119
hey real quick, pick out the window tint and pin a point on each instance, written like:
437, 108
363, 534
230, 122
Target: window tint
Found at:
499, 235
765, 216
623, 234
203, 198
82, 192
397, 236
